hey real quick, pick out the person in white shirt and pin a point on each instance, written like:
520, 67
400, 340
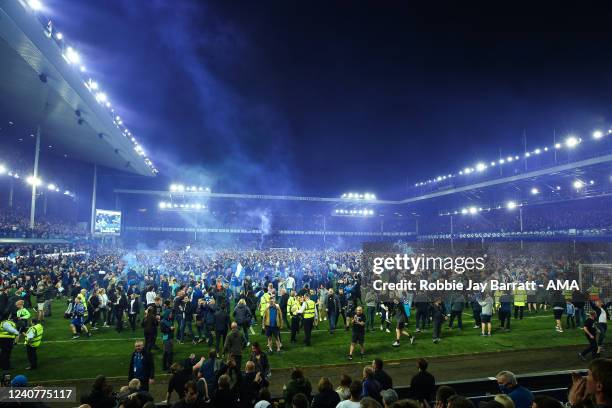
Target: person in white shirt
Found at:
290, 283
353, 401
150, 296
104, 306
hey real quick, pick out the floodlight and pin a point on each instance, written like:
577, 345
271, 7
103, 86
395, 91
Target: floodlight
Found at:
473, 210
82, 68
578, 184
172, 187
558, 188
557, 145
72, 56
35, 4
180, 187
2, 169
598, 134
527, 154
59, 36
101, 97
571, 142
537, 151
534, 191
591, 182
510, 158
33, 181
464, 211
162, 205
51, 186
481, 166
67, 192
501, 161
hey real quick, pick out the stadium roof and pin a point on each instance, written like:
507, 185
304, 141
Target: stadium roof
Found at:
38, 85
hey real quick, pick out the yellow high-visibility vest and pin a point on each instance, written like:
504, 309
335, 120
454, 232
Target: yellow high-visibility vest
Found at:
5, 334
309, 312
38, 333
292, 306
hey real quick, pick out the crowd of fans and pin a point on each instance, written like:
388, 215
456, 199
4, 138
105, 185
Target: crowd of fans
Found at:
16, 224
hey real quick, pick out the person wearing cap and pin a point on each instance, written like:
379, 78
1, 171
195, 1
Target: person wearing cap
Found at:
33, 338
389, 396
506, 381
8, 333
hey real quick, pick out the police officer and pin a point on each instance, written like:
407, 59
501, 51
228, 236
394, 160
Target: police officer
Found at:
310, 317
8, 333
33, 338
293, 306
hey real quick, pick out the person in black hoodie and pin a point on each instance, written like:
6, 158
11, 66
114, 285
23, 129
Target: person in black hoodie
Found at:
149, 324
252, 382
423, 384
381, 375
222, 322
120, 306
327, 397
224, 397
142, 366
438, 316
101, 395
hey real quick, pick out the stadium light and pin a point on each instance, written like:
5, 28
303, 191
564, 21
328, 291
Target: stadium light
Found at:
162, 205
537, 151
535, 191
35, 4
511, 205
509, 158
59, 36
571, 142
598, 134
33, 181
527, 154
72, 56
473, 210
51, 186
557, 145
101, 97
481, 166
464, 211
578, 184
591, 182
558, 188
2, 169
501, 161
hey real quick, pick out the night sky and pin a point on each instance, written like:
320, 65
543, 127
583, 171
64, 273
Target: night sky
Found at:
321, 98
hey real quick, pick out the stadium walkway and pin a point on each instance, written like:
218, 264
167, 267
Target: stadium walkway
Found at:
448, 368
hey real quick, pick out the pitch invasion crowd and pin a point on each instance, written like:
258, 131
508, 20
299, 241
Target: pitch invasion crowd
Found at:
217, 298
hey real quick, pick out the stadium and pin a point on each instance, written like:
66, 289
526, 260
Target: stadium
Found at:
215, 205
